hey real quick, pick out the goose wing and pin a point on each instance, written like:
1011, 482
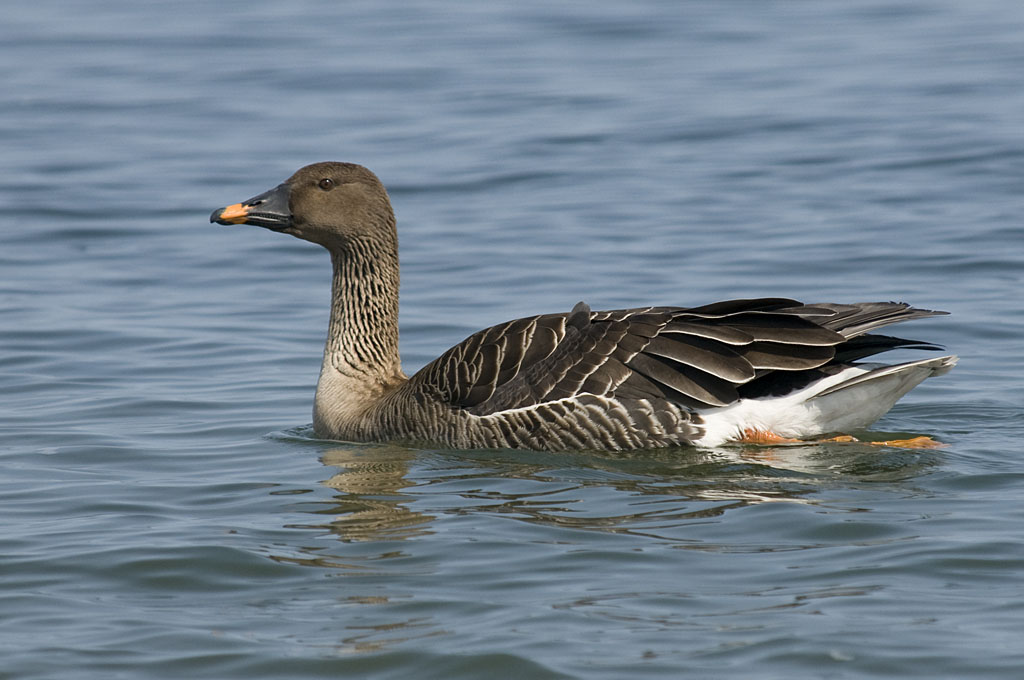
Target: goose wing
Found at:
696, 357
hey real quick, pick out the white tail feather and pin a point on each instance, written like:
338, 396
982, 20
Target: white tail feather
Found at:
849, 400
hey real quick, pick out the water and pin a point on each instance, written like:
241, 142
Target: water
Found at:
166, 510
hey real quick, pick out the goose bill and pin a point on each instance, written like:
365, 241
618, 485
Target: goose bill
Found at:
269, 209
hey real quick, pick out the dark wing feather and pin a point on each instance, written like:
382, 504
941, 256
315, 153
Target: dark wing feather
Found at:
769, 355
864, 346
863, 317
699, 357
712, 357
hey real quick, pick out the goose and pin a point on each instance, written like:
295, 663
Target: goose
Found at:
762, 370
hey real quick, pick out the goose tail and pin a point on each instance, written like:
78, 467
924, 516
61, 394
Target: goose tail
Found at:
851, 399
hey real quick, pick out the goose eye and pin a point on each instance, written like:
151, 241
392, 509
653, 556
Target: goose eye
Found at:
326, 184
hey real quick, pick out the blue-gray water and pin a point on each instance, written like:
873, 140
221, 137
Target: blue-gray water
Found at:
165, 509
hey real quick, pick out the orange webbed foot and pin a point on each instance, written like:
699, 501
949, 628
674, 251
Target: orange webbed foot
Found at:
913, 443
840, 438
752, 436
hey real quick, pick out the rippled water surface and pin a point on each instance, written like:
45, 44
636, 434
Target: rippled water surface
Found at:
167, 511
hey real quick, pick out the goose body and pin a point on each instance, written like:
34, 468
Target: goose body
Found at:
624, 379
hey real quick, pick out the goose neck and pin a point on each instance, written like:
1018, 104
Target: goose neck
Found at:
362, 336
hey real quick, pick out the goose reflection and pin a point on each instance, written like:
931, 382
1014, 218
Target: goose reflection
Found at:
371, 504
654, 493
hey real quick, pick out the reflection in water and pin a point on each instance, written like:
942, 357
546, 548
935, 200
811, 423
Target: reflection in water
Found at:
404, 544
650, 493
370, 505
374, 638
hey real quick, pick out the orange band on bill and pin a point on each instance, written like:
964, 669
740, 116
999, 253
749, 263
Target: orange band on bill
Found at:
235, 214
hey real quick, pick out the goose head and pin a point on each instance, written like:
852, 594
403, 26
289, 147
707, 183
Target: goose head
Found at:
336, 205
